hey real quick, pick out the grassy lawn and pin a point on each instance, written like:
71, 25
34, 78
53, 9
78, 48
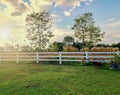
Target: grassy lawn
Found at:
28, 78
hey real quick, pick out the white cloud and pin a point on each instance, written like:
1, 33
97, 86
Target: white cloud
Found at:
113, 24
68, 26
112, 31
111, 19
67, 13
41, 4
62, 3
90, 0
74, 4
111, 37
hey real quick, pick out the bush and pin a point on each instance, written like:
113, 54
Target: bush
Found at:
115, 64
104, 49
70, 49
84, 49
117, 59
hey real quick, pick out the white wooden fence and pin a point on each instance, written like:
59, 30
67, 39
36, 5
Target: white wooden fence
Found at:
59, 56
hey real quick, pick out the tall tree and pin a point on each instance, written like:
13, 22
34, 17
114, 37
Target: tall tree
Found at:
39, 29
86, 31
68, 40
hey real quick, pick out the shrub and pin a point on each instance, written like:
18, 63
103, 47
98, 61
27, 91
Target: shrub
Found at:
104, 49
84, 49
117, 59
115, 63
70, 49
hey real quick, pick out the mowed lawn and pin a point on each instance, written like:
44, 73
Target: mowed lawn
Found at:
29, 78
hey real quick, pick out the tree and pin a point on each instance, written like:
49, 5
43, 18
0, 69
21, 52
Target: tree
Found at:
39, 29
116, 45
68, 40
77, 45
86, 31
56, 46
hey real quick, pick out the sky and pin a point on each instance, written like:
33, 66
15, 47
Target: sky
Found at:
13, 13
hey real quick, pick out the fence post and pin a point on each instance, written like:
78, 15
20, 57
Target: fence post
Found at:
37, 57
86, 56
17, 58
60, 58
118, 52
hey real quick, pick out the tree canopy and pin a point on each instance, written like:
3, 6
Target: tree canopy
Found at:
68, 40
86, 31
39, 29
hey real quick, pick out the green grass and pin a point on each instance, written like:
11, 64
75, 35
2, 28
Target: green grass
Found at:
29, 78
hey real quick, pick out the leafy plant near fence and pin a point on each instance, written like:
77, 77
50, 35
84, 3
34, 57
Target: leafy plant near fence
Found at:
117, 59
115, 63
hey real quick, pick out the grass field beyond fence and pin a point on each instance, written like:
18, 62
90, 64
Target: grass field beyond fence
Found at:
29, 78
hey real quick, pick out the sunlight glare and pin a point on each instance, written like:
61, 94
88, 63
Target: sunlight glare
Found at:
5, 34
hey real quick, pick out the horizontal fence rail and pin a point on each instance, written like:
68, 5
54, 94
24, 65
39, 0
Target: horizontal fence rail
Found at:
59, 56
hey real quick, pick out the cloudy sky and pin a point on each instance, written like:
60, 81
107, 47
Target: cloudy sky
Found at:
13, 14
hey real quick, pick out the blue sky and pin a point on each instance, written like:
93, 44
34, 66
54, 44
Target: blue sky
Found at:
106, 15
101, 9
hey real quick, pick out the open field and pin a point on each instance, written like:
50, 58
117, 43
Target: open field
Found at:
29, 78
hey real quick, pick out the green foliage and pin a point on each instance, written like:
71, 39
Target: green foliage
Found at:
56, 46
68, 40
77, 45
39, 31
86, 31
116, 45
117, 59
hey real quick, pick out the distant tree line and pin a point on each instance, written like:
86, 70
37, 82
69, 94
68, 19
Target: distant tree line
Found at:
57, 46
77, 46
